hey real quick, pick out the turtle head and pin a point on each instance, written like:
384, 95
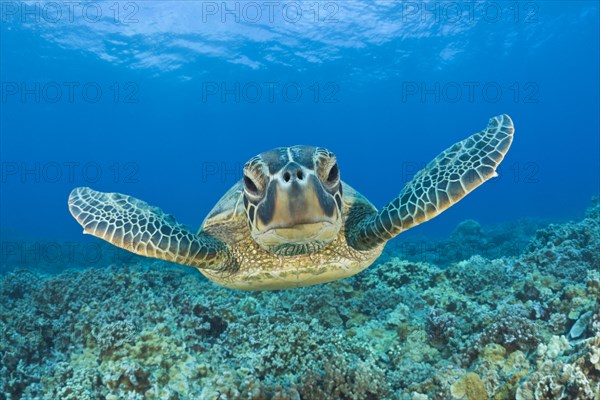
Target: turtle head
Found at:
293, 199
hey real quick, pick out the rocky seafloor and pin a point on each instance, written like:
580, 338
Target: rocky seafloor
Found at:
523, 326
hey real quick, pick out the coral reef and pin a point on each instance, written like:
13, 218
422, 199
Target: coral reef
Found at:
469, 238
524, 327
469, 386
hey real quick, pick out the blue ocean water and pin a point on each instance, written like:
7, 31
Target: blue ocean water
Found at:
167, 101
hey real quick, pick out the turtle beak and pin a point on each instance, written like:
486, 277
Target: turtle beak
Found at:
297, 206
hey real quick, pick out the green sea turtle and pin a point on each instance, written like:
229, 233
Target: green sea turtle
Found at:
291, 221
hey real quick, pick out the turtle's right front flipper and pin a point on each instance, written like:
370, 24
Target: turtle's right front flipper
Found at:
133, 225
453, 174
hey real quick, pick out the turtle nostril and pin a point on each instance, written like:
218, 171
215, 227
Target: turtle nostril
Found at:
299, 174
286, 177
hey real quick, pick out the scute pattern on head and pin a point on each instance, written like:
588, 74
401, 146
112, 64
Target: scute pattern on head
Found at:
274, 160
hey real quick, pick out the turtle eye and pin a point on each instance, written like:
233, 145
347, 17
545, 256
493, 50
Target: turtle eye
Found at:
334, 174
250, 186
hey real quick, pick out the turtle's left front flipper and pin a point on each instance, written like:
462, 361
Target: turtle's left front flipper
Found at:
133, 225
443, 182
